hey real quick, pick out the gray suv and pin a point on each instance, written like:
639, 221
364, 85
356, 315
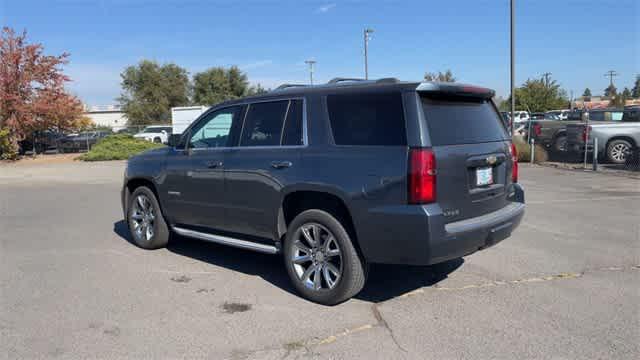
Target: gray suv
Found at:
335, 177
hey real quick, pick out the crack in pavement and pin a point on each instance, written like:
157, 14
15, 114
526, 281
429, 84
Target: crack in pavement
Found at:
382, 322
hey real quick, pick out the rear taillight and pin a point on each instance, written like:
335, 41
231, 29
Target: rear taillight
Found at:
585, 133
537, 129
422, 176
514, 164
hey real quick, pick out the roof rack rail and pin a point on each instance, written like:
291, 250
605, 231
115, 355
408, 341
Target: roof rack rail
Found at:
389, 80
286, 86
339, 80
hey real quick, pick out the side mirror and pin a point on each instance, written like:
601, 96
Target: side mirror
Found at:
163, 131
174, 140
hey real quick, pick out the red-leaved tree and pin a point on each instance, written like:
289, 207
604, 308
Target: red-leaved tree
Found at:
32, 94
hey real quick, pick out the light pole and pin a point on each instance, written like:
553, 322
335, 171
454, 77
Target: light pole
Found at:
513, 45
310, 63
367, 36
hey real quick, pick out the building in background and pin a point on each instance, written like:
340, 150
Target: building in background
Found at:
107, 115
599, 102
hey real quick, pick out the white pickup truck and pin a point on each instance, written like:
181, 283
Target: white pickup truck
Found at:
615, 138
156, 134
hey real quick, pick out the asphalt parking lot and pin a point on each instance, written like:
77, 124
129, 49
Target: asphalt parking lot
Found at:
565, 285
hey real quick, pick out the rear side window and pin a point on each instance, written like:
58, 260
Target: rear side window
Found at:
367, 119
263, 124
455, 121
292, 133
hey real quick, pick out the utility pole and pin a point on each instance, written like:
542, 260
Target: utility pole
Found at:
310, 62
367, 37
513, 44
611, 74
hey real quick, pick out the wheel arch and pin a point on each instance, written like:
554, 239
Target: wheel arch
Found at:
621, 137
132, 184
334, 202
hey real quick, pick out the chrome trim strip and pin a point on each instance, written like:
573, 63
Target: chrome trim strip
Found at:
219, 239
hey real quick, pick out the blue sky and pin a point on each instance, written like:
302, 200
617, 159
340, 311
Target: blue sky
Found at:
577, 41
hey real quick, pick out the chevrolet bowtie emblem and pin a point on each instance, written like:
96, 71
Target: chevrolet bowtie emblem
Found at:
491, 160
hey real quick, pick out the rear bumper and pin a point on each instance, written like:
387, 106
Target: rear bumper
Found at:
421, 235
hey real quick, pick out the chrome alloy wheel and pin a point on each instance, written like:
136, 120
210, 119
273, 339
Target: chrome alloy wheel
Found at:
618, 152
143, 218
316, 257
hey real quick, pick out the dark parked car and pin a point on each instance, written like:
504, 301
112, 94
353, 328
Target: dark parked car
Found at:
551, 131
335, 177
40, 141
81, 142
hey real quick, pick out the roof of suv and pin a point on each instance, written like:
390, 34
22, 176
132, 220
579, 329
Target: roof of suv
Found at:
356, 85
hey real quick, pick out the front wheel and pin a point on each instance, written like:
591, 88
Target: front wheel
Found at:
617, 151
146, 223
321, 260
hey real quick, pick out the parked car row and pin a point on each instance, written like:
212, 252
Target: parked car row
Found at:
617, 131
50, 140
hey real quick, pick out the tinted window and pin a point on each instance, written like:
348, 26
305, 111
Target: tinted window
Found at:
453, 121
292, 134
631, 116
596, 116
213, 130
367, 119
263, 124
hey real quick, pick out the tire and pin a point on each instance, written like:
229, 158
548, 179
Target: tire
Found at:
560, 144
335, 253
616, 151
146, 224
157, 140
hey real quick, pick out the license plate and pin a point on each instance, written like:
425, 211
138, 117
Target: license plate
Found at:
484, 176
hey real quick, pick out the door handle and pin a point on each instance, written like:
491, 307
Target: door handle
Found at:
214, 164
281, 164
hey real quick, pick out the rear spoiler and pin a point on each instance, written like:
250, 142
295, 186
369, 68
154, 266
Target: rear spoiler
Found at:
455, 89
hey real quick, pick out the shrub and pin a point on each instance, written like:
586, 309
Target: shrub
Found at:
118, 147
524, 151
8, 149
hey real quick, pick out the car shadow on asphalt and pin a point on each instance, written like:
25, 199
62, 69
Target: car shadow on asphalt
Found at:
384, 282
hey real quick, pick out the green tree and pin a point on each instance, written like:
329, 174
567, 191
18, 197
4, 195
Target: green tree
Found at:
610, 90
150, 90
446, 76
635, 92
218, 84
587, 92
538, 95
257, 90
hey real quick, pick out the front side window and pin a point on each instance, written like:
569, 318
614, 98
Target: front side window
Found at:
213, 131
375, 119
263, 124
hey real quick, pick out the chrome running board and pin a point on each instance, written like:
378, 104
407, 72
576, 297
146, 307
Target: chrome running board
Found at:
225, 240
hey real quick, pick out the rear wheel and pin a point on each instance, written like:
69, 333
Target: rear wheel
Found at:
146, 223
560, 144
321, 260
617, 151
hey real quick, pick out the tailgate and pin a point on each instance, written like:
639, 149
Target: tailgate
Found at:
575, 133
472, 151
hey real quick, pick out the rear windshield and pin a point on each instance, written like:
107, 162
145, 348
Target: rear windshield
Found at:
455, 121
